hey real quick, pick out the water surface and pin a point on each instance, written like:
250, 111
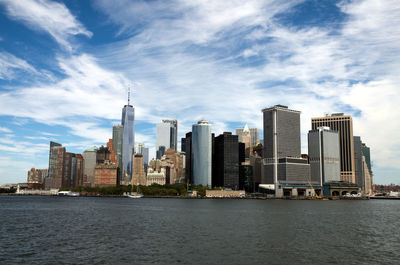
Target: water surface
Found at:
83, 230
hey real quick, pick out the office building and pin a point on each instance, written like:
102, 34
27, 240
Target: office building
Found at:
139, 176
56, 166
155, 177
201, 153
128, 142
166, 136
117, 140
344, 125
174, 164
254, 134
106, 169
324, 155
284, 169
186, 147
90, 158
362, 167
36, 178
139, 148
146, 156
225, 162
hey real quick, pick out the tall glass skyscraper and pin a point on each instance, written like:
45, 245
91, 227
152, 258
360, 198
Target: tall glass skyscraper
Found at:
128, 141
201, 153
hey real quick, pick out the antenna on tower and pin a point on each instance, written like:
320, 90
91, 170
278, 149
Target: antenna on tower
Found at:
129, 93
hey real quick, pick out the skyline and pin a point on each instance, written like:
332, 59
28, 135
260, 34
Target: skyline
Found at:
222, 62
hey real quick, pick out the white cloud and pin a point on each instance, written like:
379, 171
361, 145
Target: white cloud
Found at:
49, 16
224, 62
9, 65
5, 130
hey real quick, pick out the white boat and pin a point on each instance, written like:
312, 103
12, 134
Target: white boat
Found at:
68, 193
135, 196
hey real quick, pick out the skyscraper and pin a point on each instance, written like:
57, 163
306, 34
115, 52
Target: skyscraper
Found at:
282, 161
324, 155
344, 125
128, 141
362, 164
56, 166
90, 157
254, 134
186, 146
139, 148
201, 153
117, 140
226, 161
166, 136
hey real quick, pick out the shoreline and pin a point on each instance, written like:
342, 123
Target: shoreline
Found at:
208, 198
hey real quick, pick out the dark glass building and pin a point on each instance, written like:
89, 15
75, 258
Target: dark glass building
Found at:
226, 161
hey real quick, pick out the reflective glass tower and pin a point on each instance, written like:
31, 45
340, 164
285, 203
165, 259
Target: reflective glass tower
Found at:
128, 140
201, 153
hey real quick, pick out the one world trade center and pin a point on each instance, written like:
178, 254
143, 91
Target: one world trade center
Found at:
128, 141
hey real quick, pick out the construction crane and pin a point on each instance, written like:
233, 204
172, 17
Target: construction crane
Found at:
316, 195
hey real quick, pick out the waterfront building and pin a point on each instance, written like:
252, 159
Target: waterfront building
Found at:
56, 166
73, 170
174, 164
284, 169
344, 125
166, 136
90, 158
225, 162
36, 177
362, 167
256, 162
186, 147
128, 142
117, 139
155, 177
201, 153
106, 174
254, 135
324, 155
138, 176
106, 169
80, 165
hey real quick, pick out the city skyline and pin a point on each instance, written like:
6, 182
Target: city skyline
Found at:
65, 68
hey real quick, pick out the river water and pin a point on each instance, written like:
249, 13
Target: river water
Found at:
84, 230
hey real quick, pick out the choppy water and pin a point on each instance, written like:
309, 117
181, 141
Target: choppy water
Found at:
64, 230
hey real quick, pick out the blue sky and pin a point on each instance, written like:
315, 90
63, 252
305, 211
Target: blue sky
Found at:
65, 68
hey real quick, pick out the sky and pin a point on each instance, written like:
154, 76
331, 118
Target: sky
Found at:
65, 68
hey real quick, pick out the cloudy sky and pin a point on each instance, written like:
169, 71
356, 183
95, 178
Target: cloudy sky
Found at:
65, 68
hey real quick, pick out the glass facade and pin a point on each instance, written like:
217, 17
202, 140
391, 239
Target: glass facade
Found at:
201, 153
128, 140
166, 136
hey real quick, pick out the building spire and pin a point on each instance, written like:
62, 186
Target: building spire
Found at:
129, 93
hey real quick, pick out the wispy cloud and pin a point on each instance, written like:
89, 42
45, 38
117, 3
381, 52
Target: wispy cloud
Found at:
9, 65
5, 130
48, 16
218, 60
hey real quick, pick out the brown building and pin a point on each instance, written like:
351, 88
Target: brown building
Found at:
138, 174
344, 125
55, 176
106, 174
174, 164
80, 166
106, 170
